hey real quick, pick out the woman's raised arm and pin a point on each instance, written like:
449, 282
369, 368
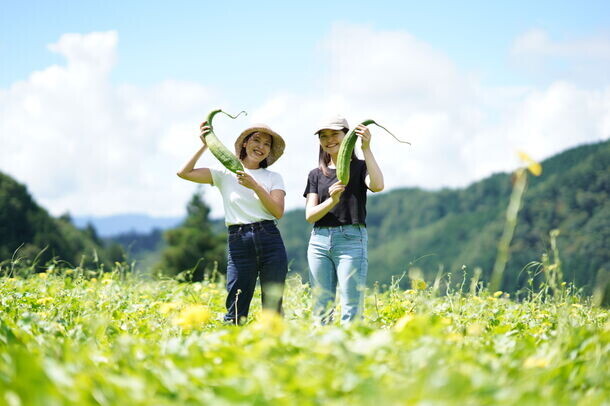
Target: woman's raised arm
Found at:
199, 175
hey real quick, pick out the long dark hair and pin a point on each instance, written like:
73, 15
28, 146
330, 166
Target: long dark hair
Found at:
243, 153
324, 158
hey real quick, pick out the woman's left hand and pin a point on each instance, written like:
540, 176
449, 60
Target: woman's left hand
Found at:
246, 180
364, 134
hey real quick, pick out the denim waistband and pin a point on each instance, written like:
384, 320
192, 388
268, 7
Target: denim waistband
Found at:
250, 226
342, 226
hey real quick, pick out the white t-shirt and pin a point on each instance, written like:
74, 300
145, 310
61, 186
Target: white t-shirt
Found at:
242, 205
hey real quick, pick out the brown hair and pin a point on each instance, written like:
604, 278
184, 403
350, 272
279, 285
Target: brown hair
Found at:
324, 158
243, 153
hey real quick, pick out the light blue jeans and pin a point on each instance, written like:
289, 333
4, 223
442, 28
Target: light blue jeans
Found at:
338, 256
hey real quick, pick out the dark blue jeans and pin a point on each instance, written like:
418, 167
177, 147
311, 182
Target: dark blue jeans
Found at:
254, 250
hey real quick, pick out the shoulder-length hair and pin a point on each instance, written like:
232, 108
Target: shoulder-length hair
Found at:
324, 158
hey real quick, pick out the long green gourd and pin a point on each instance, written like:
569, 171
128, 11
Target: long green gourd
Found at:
347, 147
218, 149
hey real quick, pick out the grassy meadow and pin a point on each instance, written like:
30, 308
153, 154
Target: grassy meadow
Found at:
83, 336
73, 336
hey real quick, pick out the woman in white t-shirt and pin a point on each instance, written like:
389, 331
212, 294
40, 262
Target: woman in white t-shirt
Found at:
253, 200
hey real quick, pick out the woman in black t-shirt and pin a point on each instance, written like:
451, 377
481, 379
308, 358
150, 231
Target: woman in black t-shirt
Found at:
337, 252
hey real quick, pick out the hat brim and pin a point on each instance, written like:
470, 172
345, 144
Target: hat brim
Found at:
332, 127
277, 145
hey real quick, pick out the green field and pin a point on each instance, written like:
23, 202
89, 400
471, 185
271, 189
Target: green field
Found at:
111, 339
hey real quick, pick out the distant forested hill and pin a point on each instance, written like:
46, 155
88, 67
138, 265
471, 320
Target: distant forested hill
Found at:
407, 228
126, 224
455, 227
28, 231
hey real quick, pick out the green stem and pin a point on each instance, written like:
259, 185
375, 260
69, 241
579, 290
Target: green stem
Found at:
509, 229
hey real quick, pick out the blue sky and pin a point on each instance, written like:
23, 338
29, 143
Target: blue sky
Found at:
191, 40
476, 75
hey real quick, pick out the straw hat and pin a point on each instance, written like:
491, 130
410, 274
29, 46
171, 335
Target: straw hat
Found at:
277, 145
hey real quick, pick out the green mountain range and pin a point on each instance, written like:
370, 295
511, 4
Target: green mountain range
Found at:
432, 230
28, 233
449, 228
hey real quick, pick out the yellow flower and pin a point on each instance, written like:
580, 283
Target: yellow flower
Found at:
536, 362
168, 307
534, 167
44, 300
93, 280
403, 322
418, 284
454, 337
498, 293
474, 329
270, 322
42, 275
193, 316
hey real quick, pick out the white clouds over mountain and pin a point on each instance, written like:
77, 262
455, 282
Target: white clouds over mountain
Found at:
87, 145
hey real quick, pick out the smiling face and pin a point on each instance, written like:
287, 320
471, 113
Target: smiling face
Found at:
330, 140
258, 146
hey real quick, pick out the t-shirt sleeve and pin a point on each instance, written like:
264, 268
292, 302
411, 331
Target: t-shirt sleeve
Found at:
218, 175
277, 182
363, 173
312, 183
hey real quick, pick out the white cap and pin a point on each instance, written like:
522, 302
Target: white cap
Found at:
334, 123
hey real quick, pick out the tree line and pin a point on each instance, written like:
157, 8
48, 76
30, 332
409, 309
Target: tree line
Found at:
451, 231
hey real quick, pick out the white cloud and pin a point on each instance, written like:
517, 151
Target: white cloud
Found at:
391, 67
87, 54
84, 144
460, 130
585, 60
536, 42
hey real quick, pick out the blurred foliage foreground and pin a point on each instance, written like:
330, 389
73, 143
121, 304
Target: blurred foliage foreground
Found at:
68, 336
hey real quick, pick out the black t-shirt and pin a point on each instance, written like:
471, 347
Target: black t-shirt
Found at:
351, 208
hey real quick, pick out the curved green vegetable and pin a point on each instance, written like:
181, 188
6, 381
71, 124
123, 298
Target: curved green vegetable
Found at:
347, 147
228, 159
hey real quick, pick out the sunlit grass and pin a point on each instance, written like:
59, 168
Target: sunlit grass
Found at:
114, 339
79, 336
